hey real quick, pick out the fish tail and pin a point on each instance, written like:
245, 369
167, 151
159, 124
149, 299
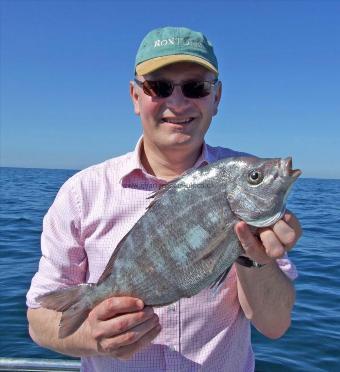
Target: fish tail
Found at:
73, 302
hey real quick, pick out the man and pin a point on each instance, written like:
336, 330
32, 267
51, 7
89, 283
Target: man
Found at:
176, 93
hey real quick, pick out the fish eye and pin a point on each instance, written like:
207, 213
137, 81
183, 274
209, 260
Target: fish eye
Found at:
255, 177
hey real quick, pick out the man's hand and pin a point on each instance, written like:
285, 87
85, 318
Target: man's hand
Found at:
117, 327
270, 243
267, 296
122, 325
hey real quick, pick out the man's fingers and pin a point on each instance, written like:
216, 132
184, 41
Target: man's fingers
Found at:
273, 241
285, 234
129, 337
246, 237
126, 352
116, 305
288, 230
294, 223
122, 323
250, 243
272, 244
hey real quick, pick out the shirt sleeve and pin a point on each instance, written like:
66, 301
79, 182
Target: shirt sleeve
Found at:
63, 261
287, 266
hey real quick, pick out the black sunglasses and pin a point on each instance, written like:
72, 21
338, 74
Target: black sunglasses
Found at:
164, 88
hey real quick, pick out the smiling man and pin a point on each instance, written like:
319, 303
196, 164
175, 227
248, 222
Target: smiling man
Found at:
176, 92
174, 123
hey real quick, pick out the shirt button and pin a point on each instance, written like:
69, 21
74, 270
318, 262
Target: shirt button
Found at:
172, 307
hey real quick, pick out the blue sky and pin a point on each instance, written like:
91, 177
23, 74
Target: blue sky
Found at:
66, 65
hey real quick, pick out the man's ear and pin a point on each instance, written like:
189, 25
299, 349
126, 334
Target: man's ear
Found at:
217, 98
134, 97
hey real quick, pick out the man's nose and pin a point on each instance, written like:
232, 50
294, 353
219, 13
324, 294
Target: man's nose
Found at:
177, 98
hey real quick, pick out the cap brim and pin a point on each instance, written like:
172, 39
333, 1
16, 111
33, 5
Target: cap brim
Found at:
153, 64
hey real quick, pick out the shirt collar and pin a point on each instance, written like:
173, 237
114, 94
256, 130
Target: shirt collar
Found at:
134, 163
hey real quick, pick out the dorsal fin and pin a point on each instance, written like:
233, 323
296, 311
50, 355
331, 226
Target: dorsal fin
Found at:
155, 196
108, 269
166, 187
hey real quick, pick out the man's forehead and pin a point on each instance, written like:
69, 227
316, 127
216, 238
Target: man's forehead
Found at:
182, 70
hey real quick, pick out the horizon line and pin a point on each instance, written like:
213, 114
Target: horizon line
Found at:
78, 170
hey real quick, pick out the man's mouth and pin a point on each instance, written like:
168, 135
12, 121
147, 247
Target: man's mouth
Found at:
177, 120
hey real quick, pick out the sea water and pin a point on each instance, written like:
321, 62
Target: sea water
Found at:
311, 344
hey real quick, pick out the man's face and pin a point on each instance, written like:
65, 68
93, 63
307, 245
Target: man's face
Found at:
176, 122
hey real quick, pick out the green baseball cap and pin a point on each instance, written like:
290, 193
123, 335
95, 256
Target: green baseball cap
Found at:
167, 45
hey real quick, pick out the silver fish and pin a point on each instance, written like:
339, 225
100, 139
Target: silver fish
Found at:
185, 241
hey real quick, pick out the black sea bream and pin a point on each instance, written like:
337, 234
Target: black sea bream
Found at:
185, 241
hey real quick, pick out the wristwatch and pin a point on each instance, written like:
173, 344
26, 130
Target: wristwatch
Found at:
247, 262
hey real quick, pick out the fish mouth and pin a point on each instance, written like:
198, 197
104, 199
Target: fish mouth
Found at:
288, 171
268, 221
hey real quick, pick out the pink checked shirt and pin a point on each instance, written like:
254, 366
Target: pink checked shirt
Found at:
92, 211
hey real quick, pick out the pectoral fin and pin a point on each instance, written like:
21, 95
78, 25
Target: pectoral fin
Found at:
220, 279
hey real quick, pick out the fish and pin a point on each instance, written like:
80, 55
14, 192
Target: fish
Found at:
185, 241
